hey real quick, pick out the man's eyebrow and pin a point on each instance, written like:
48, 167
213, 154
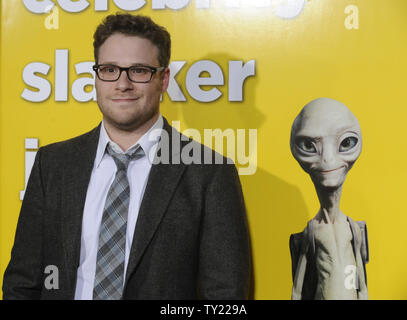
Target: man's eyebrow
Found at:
109, 62
136, 64
140, 65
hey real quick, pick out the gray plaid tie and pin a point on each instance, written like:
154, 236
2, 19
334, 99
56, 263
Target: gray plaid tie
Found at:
109, 275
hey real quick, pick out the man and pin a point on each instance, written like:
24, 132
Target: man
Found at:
114, 225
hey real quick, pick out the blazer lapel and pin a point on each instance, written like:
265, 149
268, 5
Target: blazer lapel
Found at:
76, 179
161, 185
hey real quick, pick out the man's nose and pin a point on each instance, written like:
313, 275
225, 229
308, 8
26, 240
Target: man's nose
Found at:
123, 83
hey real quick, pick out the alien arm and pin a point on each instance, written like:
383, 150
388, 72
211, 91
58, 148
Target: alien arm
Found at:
298, 250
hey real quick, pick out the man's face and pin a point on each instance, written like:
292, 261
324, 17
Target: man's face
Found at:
125, 104
326, 142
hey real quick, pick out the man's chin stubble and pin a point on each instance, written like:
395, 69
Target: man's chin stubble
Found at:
133, 124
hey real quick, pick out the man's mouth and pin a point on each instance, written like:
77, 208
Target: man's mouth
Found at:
123, 99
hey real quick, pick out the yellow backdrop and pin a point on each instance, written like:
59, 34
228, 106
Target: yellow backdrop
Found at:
350, 50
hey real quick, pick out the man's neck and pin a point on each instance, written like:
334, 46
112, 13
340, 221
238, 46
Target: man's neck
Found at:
127, 138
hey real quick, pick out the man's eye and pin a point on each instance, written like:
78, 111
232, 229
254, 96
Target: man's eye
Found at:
139, 70
307, 145
108, 69
347, 144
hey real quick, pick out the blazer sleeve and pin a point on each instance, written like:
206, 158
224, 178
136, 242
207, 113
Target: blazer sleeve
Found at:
23, 275
224, 256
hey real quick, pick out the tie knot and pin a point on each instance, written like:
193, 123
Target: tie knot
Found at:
122, 160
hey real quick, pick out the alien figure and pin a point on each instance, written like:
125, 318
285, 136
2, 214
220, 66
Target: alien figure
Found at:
329, 256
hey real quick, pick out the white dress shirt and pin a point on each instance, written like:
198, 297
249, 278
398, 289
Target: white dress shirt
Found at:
102, 176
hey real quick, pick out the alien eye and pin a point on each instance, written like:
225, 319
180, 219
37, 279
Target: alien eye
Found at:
307, 145
347, 144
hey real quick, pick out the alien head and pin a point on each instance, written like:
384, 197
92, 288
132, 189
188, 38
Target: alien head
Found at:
326, 140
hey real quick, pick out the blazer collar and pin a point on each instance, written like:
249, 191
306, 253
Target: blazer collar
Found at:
156, 198
74, 185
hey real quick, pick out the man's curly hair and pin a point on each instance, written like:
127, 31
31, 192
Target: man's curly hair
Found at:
134, 25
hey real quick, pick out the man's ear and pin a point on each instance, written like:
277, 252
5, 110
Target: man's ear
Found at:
165, 79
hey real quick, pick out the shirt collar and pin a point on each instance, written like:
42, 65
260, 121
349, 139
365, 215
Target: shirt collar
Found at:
146, 142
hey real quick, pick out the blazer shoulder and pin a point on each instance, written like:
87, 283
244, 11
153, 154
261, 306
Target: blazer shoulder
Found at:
61, 148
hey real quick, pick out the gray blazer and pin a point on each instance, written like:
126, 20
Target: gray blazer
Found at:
191, 239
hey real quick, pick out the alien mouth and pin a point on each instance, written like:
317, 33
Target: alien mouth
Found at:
332, 170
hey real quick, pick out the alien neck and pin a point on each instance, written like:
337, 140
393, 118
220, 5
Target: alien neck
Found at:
329, 199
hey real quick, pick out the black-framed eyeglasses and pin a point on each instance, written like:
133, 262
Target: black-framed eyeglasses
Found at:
137, 73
